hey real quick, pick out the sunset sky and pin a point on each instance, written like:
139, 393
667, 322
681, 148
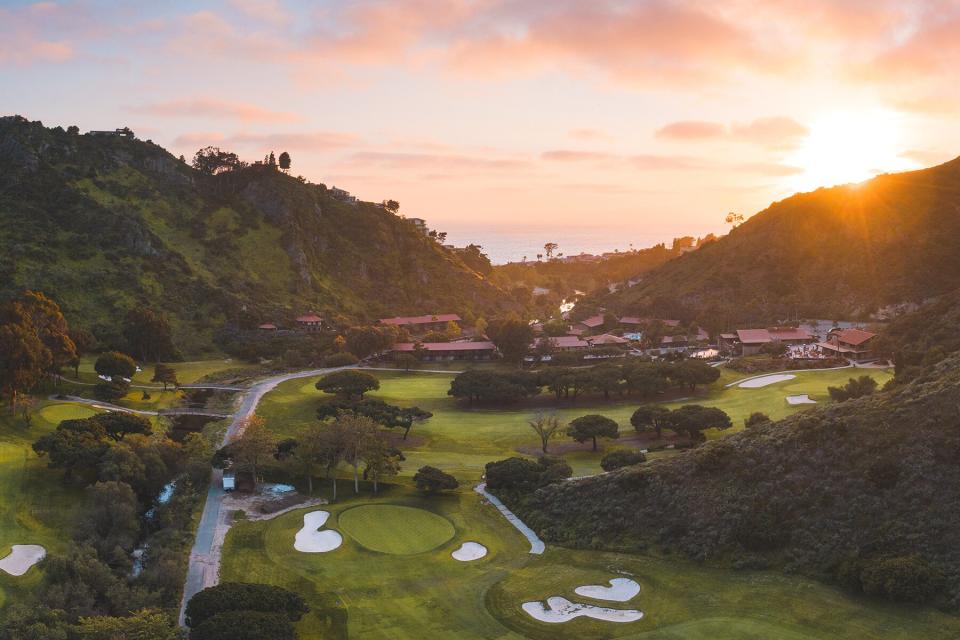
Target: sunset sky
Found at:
655, 118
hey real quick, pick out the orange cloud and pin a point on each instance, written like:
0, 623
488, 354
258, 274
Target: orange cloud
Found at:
566, 155
776, 132
421, 161
212, 108
691, 130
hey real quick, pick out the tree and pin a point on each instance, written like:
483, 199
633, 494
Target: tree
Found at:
165, 374
357, 432
272, 160
76, 446
855, 388
380, 459
117, 424
213, 161
112, 390
405, 361
368, 340
114, 363
593, 426
52, 329
518, 476
391, 205
84, 341
512, 336
255, 445
146, 624
755, 419
23, 359
244, 625
112, 517
148, 335
621, 458
694, 419
605, 378
311, 451
734, 219
453, 330
348, 383
649, 417
694, 372
645, 379
546, 427
493, 386
549, 248
432, 480
284, 161
229, 597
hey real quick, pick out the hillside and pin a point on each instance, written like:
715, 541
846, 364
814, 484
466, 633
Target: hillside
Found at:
104, 223
861, 493
838, 252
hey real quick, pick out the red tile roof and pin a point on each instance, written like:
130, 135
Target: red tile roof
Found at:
790, 333
759, 336
753, 336
310, 317
607, 338
267, 325
852, 336
593, 321
446, 346
402, 320
639, 320
567, 342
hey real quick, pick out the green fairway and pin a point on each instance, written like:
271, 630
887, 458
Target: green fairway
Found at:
389, 528
356, 593
461, 440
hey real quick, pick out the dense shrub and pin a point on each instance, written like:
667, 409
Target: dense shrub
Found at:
855, 388
514, 477
621, 458
244, 596
244, 625
901, 578
432, 480
342, 359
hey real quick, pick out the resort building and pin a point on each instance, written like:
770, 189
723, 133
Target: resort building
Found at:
342, 195
748, 342
605, 340
420, 224
563, 343
267, 326
473, 350
853, 344
310, 323
422, 324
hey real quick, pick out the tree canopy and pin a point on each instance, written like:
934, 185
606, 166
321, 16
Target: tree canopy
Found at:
348, 383
593, 426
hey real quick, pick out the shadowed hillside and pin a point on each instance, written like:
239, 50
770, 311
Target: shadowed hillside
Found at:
862, 493
103, 223
837, 252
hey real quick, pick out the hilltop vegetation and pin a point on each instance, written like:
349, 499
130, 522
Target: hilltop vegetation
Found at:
104, 224
862, 493
838, 252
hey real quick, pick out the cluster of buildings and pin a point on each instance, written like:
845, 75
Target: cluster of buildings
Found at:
851, 343
307, 323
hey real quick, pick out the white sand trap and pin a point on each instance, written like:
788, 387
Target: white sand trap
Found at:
562, 610
311, 540
469, 551
620, 590
804, 399
763, 381
21, 558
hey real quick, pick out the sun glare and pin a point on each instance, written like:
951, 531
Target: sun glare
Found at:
849, 147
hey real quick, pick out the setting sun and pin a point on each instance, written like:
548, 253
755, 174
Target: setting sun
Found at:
844, 147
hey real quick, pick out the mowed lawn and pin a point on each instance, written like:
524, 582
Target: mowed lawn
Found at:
359, 593
35, 506
461, 440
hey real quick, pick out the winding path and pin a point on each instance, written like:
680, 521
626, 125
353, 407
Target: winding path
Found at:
107, 406
537, 545
204, 568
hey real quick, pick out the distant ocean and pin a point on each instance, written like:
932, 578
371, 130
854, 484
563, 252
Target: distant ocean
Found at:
511, 244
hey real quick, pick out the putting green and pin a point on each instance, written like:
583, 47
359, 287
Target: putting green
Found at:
57, 413
390, 528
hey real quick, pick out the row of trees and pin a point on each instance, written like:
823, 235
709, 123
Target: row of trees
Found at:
645, 379
214, 161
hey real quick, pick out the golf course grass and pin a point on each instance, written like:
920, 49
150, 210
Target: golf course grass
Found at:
390, 528
35, 506
461, 440
356, 593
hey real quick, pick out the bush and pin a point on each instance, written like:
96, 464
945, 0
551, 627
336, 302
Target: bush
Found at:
342, 359
244, 625
111, 391
902, 578
855, 388
431, 480
621, 458
114, 363
515, 476
244, 597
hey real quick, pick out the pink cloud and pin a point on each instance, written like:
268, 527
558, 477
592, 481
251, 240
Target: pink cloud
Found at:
691, 130
422, 161
776, 132
644, 162
213, 108
567, 155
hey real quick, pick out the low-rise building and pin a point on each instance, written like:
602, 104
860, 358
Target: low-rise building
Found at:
422, 324
467, 350
748, 342
420, 224
562, 343
853, 344
310, 323
267, 326
342, 195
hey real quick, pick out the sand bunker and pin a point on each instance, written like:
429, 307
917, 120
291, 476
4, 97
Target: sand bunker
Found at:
620, 590
562, 610
803, 399
763, 381
310, 540
469, 551
21, 558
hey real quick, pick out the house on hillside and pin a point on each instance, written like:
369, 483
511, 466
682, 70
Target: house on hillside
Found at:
606, 340
342, 195
310, 323
124, 132
853, 344
747, 342
562, 343
267, 327
419, 224
467, 350
592, 323
422, 324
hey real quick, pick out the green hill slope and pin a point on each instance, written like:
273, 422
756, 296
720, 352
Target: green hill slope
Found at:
862, 493
837, 252
103, 223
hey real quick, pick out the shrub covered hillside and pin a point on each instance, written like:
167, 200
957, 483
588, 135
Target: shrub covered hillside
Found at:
102, 223
834, 252
863, 493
